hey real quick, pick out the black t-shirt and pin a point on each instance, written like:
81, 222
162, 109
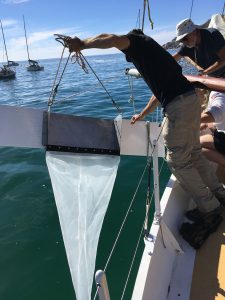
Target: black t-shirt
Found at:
205, 54
159, 69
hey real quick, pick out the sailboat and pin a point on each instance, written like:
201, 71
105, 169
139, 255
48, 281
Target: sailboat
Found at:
33, 64
6, 72
12, 63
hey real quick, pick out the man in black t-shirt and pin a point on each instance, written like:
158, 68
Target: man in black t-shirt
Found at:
164, 77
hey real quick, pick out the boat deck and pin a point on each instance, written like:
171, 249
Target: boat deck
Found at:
208, 282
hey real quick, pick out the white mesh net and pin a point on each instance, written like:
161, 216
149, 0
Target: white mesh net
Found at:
82, 186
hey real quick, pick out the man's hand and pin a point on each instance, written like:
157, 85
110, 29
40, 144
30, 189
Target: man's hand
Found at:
202, 72
74, 44
136, 118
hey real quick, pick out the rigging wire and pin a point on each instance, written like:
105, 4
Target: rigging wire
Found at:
81, 60
135, 193
101, 83
139, 239
124, 221
131, 203
131, 99
132, 262
149, 163
146, 3
55, 86
86, 91
192, 2
3, 36
223, 8
142, 176
138, 22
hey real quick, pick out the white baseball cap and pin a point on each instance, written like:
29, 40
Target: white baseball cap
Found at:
184, 27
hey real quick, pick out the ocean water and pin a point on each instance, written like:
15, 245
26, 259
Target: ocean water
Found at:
33, 264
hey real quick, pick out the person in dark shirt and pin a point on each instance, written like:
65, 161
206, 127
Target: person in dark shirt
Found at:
151, 60
177, 96
204, 47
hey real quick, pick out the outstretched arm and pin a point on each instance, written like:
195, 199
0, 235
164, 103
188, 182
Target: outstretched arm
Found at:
177, 57
218, 64
150, 107
102, 41
207, 117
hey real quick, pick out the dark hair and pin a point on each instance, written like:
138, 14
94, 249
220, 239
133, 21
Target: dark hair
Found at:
137, 31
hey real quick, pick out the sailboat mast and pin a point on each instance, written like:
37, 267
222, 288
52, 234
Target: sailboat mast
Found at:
4, 43
26, 38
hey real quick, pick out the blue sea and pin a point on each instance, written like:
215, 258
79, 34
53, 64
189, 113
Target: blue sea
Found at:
33, 264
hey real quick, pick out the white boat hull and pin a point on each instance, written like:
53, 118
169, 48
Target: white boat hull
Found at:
25, 129
165, 273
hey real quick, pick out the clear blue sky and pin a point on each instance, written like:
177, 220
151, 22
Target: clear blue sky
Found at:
88, 18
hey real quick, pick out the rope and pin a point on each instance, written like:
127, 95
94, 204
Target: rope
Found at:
143, 16
149, 16
192, 2
79, 59
146, 3
55, 86
110, 97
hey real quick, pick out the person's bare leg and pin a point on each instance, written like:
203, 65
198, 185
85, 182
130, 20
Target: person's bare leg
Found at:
210, 151
214, 156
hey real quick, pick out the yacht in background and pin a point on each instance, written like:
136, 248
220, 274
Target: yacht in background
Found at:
5, 71
33, 64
